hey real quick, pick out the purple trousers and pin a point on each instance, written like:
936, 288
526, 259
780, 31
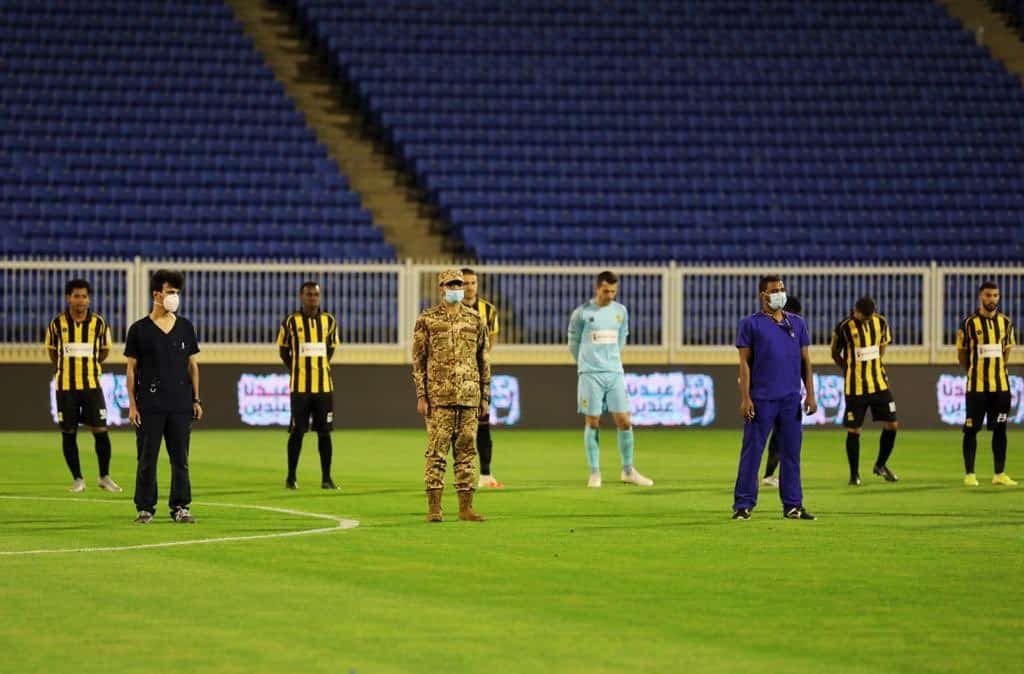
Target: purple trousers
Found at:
784, 417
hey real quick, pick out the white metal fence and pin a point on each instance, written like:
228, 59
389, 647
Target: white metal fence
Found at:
677, 313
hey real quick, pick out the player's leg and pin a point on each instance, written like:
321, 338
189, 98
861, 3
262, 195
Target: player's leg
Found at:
789, 425
463, 453
177, 435
772, 462
94, 415
976, 404
589, 397
999, 410
856, 409
440, 435
68, 413
755, 433
323, 424
618, 404
485, 448
149, 434
883, 408
302, 404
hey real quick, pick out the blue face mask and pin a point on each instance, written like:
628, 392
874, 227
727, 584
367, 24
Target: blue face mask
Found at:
454, 296
777, 300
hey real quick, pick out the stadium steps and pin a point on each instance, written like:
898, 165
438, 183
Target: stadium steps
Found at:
990, 30
384, 189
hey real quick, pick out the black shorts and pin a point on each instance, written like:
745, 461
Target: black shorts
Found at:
883, 408
81, 407
318, 406
995, 406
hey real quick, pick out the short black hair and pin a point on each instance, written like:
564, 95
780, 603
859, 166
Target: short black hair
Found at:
308, 284
988, 285
467, 270
762, 285
76, 283
793, 305
608, 277
175, 279
865, 306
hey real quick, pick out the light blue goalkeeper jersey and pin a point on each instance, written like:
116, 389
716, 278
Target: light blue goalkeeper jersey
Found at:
597, 335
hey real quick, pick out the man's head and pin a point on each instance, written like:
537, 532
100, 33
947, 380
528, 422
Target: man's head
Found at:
165, 286
309, 296
450, 284
606, 288
469, 285
864, 309
772, 292
988, 296
77, 292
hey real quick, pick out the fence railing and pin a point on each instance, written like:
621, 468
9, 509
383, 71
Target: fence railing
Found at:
677, 313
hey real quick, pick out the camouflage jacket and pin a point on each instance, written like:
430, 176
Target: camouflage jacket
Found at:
450, 365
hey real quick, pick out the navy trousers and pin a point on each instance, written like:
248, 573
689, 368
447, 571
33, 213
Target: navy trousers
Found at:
784, 416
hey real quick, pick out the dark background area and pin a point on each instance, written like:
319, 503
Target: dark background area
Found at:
382, 396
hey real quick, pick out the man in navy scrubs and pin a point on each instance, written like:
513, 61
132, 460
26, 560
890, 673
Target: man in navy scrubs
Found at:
163, 395
772, 343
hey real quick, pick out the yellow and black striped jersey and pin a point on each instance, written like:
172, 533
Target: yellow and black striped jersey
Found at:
860, 344
984, 340
78, 347
489, 313
310, 339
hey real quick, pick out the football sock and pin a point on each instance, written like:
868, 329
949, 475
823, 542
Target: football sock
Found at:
70, 448
999, 449
625, 439
294, 449
103, 452
970, 447
853, 453
326, 450
885, 444
592, 445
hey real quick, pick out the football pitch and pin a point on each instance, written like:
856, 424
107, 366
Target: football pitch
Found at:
924, 575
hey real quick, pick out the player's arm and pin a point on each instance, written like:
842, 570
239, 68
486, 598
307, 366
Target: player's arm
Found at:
483, 363
746, 404
193, 375
493, 329
961, 349
811, 402
332, 338
284, 349
105, 340
51, 344
623, 329
420, 354
575, 334
130, 374
1008, 343
886, 338
838, 348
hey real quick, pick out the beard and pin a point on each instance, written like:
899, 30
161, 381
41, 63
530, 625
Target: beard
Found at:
990, 306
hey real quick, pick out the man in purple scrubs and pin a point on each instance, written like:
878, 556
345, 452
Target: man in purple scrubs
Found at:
771, 345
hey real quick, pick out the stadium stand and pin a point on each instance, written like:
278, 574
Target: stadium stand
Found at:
1013, 10
140, 127
725, 130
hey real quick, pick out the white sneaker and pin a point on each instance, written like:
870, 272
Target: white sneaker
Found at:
770, 481
488, 482
595, 480
636, 478
106, 484
77, 487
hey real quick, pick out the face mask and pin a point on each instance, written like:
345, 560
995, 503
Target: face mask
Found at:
171, 302
777, 300
454, 296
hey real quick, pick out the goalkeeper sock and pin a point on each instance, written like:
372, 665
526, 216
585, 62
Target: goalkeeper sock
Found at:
625, 439
592, 445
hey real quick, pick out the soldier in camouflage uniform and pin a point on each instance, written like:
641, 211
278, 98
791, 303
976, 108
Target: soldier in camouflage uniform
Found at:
452, 374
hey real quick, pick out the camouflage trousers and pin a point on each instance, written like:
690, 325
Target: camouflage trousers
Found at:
451, 428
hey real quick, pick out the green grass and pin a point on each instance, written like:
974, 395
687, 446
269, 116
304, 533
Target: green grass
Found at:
919, 576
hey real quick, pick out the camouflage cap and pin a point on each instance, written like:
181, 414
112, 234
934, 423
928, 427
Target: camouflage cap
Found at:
449, 276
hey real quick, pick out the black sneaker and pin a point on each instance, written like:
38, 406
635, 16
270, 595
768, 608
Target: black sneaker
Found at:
182, 516
741, 514
290, 484
854, 481
328, 484
144, 517
798, 513
883, 471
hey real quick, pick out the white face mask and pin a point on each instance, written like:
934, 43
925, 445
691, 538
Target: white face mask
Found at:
171, 302
777, 300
